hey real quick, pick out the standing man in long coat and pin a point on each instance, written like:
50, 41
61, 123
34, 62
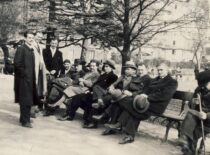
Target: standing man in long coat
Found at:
24, 63
40, 69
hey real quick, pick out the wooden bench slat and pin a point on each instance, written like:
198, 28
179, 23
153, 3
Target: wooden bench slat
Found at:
176, 109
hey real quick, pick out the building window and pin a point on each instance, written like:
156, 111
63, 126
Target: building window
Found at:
175, 6
174, 42
173, 51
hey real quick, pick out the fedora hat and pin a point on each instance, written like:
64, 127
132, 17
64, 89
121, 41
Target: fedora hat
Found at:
140, 103
110, 63
79, 62
130, 64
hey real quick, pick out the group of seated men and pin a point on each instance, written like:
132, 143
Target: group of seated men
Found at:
121, 102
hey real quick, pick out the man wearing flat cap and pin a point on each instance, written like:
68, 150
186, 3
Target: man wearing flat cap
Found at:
99, 89
153, 101
191, 129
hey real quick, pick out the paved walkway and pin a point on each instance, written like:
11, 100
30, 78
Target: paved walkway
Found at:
52, 137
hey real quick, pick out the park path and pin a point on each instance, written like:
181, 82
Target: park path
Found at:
52, 137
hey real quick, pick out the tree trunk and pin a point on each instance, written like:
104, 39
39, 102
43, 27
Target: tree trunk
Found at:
83, 56
126, 56
126, 53
50, 30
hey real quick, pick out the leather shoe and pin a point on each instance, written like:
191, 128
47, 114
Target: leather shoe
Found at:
27, 125
48, 113
186, 150
108, 132
33, 115
116, 126
66, 118
126, 139
183, 141
90, 125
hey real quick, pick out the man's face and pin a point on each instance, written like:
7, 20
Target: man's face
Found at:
162, 71
67, 66
30, 38
39, 37
208, 85
54, 44
130, 71
107, 69
78, 68
141, 70
93, 66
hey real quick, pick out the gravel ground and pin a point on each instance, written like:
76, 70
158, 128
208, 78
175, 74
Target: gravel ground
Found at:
52, 137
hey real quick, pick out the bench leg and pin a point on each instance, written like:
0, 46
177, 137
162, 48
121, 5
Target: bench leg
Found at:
179, 129
168, 126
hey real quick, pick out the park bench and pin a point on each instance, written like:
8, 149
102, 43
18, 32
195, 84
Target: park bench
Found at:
175, 112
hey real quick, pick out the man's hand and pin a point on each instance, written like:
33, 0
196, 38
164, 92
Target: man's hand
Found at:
128, 93
81, 84
202, 115
96, 105
81, 80
52, 72
52, 105
110, 89
144, 95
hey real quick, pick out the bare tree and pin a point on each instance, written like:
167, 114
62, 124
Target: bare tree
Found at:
9, 22
123, 24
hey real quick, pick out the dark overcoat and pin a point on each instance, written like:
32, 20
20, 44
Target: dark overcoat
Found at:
137, 84
24, 63
53, 62
105, 80
160, 92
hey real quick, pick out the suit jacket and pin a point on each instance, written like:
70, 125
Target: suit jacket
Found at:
24, 63
53, 63
137, 84
75, 77
105, 80
160, 92
90, 78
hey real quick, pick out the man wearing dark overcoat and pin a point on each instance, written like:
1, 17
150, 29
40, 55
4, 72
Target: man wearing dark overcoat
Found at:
24, 63
191, 129
53, 58
156, 98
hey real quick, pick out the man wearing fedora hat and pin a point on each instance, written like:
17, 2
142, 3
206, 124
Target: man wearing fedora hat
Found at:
99, 89
152, 101
191, 129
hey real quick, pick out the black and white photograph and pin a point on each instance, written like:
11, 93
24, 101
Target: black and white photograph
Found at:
104, 77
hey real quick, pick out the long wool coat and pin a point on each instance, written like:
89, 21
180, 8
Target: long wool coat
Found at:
160, 92
25, 88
